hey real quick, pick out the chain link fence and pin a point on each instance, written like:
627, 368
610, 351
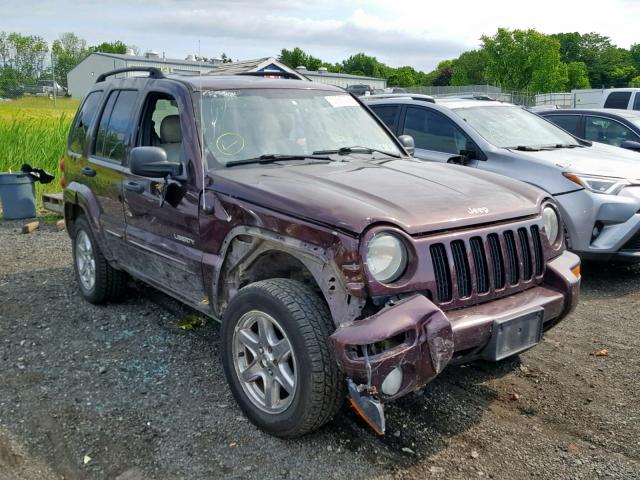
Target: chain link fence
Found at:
525, 99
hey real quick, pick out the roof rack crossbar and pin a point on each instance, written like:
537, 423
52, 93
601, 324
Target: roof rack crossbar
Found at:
153, 72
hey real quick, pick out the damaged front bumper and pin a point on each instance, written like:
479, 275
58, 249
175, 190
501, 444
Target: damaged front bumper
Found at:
414, 340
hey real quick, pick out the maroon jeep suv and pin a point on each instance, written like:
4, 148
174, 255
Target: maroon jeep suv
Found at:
338, 266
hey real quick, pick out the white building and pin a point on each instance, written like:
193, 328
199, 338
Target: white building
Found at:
80, 79
341, 79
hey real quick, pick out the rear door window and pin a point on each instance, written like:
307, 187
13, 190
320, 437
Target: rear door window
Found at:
86, 114
618, 100
432, 131
568, 122
114, 132
388, 114
606, 130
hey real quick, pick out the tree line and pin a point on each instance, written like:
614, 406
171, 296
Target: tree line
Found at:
519, 60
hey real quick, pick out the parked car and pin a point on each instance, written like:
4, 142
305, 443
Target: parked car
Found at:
597, 187
618, 98
359, 90
45, 88
620, 128
295, 224
413, 96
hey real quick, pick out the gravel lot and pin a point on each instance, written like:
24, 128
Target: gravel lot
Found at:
121, 392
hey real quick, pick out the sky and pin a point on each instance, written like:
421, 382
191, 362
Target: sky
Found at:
398, 32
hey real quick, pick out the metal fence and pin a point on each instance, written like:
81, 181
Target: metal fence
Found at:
526, 99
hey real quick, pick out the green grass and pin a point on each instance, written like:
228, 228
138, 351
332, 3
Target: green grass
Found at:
33, 131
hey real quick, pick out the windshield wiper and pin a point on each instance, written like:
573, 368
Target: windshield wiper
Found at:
272, 157
566, 145
525, 148
354, 149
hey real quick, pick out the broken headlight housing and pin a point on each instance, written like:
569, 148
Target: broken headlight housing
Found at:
386, 257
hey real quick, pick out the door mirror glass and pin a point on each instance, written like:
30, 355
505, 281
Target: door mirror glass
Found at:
408, 143
469, 154
152, 162
631, 145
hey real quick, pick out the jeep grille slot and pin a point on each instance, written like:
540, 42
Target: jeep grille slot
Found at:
497, 263
441, 271
485, 266
527, 264
461, 263
480, 263
537, 248
512, 257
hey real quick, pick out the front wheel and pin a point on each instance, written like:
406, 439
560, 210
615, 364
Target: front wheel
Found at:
276, 357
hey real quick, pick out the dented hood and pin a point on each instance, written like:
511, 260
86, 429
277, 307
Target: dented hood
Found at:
416, 196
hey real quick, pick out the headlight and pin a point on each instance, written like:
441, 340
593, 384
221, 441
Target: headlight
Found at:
551, 224
386, 257
593, 183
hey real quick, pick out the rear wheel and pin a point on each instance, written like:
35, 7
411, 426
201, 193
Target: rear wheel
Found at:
98, 281
277, 360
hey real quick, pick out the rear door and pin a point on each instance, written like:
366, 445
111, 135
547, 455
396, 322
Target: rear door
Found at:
104, 173
436, 137
163, 237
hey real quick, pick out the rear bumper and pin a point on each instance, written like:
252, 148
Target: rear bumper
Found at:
427, 339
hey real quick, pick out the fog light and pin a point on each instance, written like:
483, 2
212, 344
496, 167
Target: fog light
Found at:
392, 382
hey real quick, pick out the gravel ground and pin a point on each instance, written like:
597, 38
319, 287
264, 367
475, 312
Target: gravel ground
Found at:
120, 392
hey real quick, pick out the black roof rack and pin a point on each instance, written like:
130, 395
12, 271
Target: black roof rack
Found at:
153, 72
265, 73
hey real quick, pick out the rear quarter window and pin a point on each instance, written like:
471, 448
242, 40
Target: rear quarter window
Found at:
618, 100
84, 118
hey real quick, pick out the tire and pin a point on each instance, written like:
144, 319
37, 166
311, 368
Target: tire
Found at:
303, 320
99, 282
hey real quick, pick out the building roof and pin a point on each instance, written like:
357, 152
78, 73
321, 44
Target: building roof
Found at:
230, 81
336, 75
137, 58
256, 65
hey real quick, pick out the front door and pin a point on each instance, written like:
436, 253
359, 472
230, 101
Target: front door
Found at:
162, 229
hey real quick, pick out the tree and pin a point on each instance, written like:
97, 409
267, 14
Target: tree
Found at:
110, 47
470, 68
364, 65
403, 77
298, 58
635, 82
23, 54
68, 51
577, 75
524, 60
225, 59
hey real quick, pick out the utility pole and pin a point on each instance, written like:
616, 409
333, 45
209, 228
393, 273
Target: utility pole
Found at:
53, 79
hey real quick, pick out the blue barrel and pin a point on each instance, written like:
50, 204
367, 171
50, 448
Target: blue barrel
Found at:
18, 195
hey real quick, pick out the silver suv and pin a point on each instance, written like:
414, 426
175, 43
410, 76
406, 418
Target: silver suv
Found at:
596, 186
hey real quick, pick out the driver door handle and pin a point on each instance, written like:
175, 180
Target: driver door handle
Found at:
134, 187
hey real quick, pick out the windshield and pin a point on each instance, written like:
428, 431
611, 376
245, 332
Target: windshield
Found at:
248, 123
511, 127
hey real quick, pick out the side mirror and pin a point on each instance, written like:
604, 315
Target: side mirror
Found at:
152, 162
631, 145
408, 144
469, 154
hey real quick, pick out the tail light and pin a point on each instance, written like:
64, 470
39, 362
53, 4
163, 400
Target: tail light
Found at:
62, 164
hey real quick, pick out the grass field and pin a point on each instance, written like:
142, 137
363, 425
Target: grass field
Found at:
33, 131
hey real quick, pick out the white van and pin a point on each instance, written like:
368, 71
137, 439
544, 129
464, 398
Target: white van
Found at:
621, 98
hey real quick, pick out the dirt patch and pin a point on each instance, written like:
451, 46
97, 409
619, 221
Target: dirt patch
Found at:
121, 391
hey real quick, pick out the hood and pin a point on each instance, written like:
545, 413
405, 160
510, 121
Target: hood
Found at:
419, 197
599, 159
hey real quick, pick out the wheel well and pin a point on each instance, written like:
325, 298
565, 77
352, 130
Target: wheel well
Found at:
277, 264
71, 212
